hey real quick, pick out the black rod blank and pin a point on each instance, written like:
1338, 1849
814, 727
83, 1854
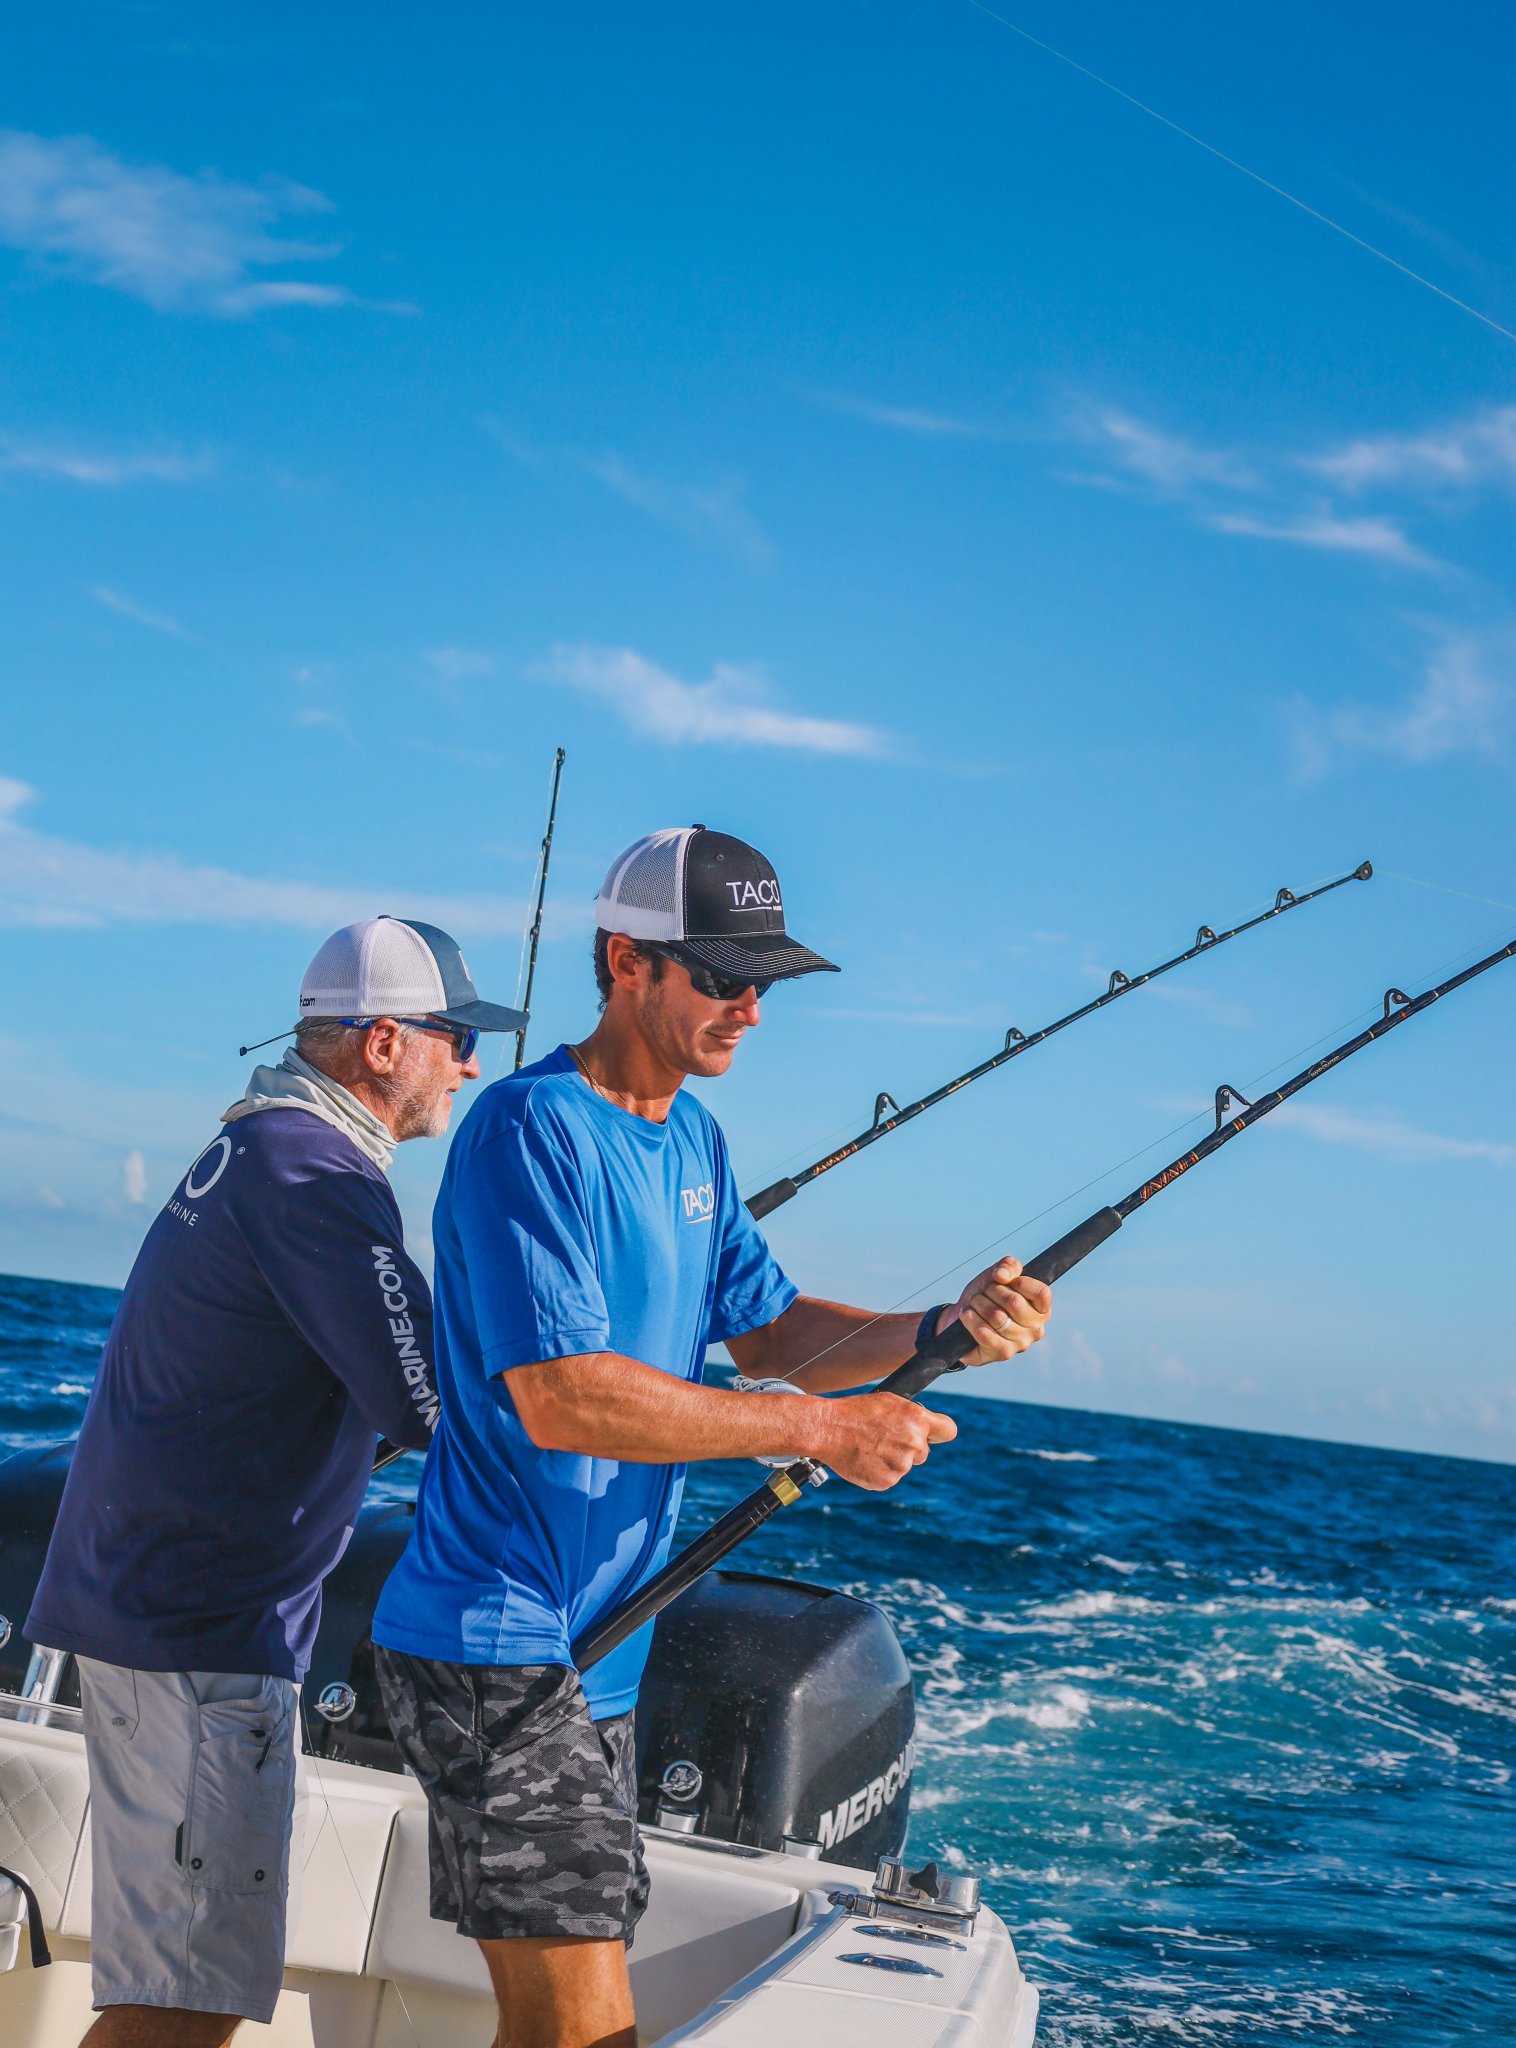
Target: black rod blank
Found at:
946, 1351
531, 958
1017, 1042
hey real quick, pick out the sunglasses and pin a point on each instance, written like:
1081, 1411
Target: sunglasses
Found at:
719, 988
465, 1037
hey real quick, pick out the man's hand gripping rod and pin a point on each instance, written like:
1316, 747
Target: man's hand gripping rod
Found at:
943, 1354
946, 1351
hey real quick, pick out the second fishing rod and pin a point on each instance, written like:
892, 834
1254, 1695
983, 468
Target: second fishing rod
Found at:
1018, 1042
945, 1352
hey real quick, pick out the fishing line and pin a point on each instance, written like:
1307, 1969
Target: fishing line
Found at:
1442, 889
1207, 940
820, 1140
1232, 162
1001, 1236
946, 1351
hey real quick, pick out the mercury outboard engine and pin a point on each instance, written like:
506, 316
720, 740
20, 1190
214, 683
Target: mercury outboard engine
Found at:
779, 1715
772, 1714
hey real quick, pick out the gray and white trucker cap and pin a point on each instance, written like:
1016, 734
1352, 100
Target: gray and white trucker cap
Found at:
709, 896
397, 967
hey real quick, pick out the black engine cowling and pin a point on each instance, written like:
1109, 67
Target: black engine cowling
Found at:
793, 1703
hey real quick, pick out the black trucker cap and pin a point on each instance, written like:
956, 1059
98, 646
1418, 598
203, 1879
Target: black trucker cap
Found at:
708, 896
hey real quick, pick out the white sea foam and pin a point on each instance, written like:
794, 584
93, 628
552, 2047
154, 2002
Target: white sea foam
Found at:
69, 1387
1059, 1708
924, 1797
1058, 1457
1085, 1606
1193, 1936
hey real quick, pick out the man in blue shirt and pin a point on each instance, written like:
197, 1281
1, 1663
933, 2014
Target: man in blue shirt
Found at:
590, 1244
271, 1327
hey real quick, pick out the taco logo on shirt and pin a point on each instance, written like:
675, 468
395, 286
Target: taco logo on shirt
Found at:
699, 1203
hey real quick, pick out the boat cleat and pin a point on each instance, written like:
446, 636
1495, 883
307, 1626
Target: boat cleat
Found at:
924, 1898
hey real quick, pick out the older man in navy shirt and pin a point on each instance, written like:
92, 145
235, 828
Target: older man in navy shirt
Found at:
272, 1325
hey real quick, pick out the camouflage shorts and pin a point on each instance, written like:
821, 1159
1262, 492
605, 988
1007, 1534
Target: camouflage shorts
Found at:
532, 1805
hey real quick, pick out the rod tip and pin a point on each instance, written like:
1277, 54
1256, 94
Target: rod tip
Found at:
1363, 871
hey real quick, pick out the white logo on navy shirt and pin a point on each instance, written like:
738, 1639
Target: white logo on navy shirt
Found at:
403, 1331
222, 1148
699, 1203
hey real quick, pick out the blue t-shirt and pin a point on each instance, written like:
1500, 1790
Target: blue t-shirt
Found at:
271, 1326
565, 1225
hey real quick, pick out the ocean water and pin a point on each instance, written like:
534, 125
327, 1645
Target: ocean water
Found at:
1227, 1722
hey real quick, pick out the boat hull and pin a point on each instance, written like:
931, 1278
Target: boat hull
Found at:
738, 1944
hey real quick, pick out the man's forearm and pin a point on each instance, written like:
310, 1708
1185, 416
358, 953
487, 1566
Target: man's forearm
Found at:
602, 1405
826, 1346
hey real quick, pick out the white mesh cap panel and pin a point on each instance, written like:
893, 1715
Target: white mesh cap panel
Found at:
643, 895
380, 968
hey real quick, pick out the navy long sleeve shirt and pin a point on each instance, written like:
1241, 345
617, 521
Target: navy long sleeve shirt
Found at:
272, 1326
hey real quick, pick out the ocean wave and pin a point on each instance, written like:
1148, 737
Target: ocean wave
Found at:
1060, 1708
1085, 1606
1209, 1813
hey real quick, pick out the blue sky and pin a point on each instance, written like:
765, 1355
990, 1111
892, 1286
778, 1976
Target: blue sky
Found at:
847, 426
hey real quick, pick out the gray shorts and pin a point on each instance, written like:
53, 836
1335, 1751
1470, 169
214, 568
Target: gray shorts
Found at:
192, 1797
532, 1805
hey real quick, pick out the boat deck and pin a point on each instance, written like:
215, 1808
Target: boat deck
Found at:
738, 1946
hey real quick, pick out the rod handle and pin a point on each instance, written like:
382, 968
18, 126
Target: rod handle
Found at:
946, 1350
1075, 1245
774, 1196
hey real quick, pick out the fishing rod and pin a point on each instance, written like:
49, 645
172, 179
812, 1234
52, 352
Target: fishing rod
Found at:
1017, 1042
946, 1351
386, 1453
531, 958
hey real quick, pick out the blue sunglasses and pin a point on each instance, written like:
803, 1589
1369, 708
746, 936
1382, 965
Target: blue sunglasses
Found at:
465, 1037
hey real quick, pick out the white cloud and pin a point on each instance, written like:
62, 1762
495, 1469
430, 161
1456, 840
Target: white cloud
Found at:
321, 718
1460, 708
1377, 537
55, 882
183, 244
714, 514
731, 709
134, 1178
905, 419
1205, 1003
1167, 460
100, 467
1386, 1136
128, 608
458, 664
1479, 449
